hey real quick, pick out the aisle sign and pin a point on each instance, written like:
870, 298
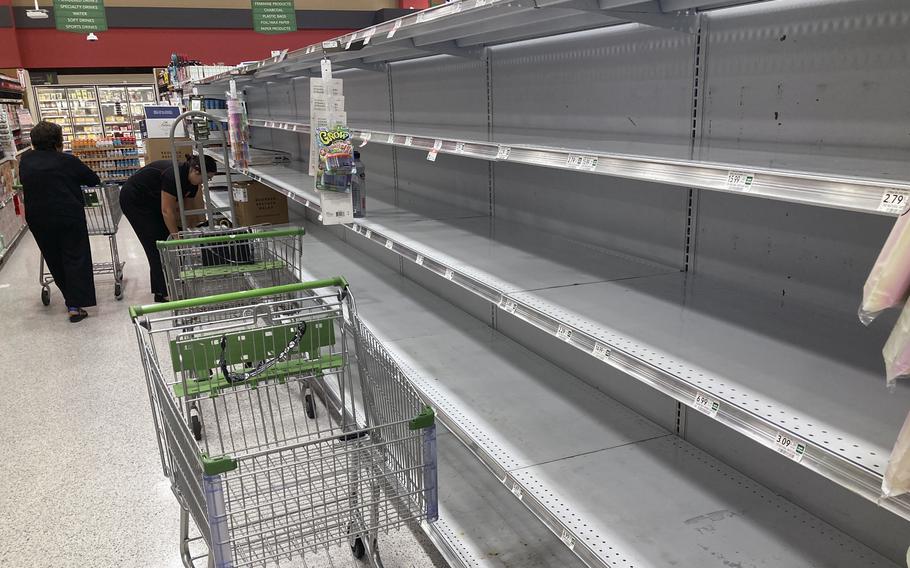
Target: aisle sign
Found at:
274, 16
80, 15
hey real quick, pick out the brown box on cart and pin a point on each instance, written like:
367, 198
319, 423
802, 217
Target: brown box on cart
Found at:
255, 204
160, 149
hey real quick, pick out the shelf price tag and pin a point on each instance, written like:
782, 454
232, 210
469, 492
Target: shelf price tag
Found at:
503, 153
894, 202
580, 162
391, 139
567, 539
365, 136
449, 274
350, 41
408, 140
368, 36
368, 234
740, 181
564, 333
437, 145
355, 227
459, 147
601, 351
507, 305
419, 260
394, 29
389, 244
516, 490
790, 447
706, 404
481, 3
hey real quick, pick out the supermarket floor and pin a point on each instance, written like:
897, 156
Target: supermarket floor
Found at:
81, 479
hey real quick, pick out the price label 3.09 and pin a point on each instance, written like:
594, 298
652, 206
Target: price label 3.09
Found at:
790, 447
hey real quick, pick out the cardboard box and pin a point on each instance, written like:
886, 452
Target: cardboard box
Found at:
160, 149
255, 204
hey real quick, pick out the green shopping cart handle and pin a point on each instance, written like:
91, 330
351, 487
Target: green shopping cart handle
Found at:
136, 311
234, 237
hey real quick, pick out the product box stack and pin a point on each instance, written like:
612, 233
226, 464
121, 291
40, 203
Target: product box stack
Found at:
331, 148
113, 159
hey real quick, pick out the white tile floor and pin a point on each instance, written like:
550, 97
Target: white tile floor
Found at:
80, 479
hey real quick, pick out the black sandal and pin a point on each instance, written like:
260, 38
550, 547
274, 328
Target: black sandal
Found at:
77, 315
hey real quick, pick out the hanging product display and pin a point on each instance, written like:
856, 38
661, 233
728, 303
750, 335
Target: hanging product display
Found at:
897, 475
326, 110
334, 171
897, 349
239, 133
889, 281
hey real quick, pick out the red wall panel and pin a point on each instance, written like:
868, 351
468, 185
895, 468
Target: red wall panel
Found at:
133, 47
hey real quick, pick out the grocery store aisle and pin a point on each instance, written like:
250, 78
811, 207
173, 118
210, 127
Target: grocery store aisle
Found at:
81, 480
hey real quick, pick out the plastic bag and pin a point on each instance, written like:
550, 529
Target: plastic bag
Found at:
889, 281
897, 349
897, 475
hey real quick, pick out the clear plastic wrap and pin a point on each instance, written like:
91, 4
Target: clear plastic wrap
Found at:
896, 352
889, 281
897, 475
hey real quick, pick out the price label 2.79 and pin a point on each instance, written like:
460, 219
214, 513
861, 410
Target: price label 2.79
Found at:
580, 162
790, 447
706, 404
894, 202
601, 351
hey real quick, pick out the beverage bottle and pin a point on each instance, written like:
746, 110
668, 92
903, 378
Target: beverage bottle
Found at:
359, 187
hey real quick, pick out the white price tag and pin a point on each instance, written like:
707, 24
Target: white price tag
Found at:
740, 181
350, 41
516, 490
564, 333
389, 244
391, 139
306, 204
310, 49
705, 404
894, 202
790, 447
368, 36
368, 234
365, 136
459, 147
355, 227
503, 153
449, 274
394, 29
567, 539
481, 3
507, 305
408, 140
431, 155
601, 351
437, 145
419, 260
330, 44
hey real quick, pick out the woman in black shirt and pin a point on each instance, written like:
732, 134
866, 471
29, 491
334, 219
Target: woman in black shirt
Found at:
54, 211
149, 202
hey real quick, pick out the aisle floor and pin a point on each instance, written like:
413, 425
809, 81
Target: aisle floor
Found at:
82, 481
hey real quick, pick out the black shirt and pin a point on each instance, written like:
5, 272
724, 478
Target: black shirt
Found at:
51, 184
145, 186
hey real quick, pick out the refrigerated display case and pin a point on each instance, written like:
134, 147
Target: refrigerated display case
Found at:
54, 106
115, 110
85, 113
140, 97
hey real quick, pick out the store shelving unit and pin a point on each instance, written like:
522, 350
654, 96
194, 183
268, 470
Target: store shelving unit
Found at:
12, 140
592, 197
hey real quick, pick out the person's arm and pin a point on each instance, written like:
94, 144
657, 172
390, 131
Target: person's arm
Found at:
84, 174
170, 210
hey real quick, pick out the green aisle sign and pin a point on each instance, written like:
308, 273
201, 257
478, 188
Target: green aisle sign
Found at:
274, 16
80, 15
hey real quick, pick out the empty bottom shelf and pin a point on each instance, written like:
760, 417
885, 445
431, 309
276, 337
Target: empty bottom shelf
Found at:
616, 488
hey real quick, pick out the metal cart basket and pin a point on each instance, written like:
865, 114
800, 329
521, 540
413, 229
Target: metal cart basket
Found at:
102, 216
267, 483
214, 262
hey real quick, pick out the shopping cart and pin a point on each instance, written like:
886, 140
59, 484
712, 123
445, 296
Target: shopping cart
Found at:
102, 216
266, 483
203, 263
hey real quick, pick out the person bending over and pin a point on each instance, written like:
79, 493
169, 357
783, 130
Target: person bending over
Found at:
149, 201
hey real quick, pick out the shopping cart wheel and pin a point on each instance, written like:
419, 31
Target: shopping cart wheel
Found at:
196, 426
118, 291
45, 296
358, 549
310, 404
